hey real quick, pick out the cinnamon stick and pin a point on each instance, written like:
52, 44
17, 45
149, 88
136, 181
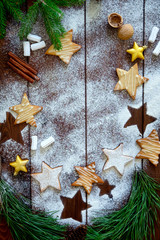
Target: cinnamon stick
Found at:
23, 69
17, 70
26, 65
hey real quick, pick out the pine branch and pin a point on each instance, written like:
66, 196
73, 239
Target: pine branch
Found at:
29, 20
137, 219
3, 21
52, 18
19, 2
13, 9
23, 222
68, 3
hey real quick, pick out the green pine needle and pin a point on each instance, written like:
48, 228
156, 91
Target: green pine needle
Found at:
52, 19
29, 20
26, 224
3, 21
68, 3
137, 219
14, 9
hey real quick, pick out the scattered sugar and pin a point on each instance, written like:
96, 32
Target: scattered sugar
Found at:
61, 93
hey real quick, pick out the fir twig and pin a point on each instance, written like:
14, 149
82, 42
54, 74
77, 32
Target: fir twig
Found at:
29, 20
68, 3
23, 222
137, 219
52, 19
14, 9
3, 21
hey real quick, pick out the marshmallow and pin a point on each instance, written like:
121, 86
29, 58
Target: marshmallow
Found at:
26, 48
34, 143
156, 51
33, 38
39, 45
153, 34
47, 142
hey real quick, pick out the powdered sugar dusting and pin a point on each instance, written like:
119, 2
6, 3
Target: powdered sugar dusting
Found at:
107, 110
61, 93
12, 87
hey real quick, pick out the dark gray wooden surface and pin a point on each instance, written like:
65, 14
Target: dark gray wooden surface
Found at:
81, 110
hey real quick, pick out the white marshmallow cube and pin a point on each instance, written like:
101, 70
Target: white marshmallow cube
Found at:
47, 142
36, 46
34, 143
33, 38
26, 48
153, 34
156, 51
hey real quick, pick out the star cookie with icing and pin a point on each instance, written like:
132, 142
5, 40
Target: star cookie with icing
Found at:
129, 80
49, 177
87, 177
19, 165
136, 52
68, 48
26, 111
150, 147
116, 159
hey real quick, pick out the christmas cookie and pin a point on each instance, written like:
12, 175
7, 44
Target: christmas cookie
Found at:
129, 80
150, 147
68, 48
116, 159
26, 111
49, 177
87, 177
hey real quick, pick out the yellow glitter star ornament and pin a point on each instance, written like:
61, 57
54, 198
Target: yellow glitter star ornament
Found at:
19, 165
68, 48
136, 52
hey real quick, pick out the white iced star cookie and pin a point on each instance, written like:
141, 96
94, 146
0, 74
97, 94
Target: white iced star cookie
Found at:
116, 159
49, 177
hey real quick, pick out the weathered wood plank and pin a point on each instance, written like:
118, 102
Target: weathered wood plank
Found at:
107, 110
61, 92
12, 87
152, 88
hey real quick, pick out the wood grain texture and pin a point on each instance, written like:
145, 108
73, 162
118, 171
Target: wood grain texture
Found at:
61, 91
152, 88
5, 233
12, 87
107, 110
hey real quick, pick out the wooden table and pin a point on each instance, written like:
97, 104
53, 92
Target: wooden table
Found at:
80, 109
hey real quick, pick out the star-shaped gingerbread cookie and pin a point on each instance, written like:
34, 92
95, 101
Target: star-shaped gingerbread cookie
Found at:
87, 177
73, 207
150, 147
116, 159
136, 52
26, 111
49, 177
19, 165
68, 48
11, 131
129, 80
136, 118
